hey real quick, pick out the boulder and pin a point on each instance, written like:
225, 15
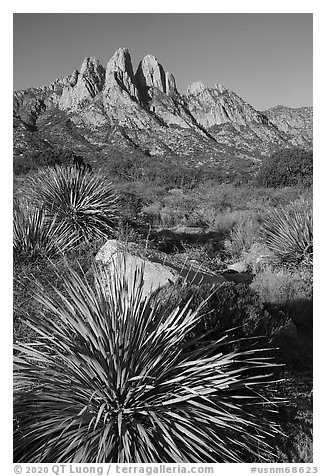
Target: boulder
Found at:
239, 273
239, 267
156, 275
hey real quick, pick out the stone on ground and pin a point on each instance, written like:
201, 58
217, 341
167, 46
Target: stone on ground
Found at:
155, 275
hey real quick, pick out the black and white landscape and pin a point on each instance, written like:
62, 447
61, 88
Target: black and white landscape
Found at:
163, 252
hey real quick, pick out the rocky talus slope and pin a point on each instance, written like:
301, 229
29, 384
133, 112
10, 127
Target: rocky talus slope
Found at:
97, 110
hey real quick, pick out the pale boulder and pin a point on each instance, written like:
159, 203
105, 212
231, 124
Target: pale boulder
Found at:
115, 255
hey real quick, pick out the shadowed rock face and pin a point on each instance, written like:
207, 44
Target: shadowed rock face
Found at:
150, 74
119, 73
117, 109
171, 85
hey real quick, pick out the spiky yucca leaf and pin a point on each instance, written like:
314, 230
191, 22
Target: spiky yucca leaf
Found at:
112, 380
83, 200
35, 236
288, 233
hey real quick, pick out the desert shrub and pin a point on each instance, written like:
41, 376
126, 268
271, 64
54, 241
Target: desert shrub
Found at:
112, 381
83, 201
229, 306
257, 257
35, 236
131, 205
282, 286
228, 198
180, 175
290, 290
289, 294
287, 167
48, 272
171, 172
288, 233
151, 214
32, 161
175, 208
242, 236
127, 166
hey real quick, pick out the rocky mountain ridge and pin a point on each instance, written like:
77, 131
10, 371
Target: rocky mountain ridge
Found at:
98, 110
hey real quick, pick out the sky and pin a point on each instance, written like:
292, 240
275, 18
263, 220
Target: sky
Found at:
266, 58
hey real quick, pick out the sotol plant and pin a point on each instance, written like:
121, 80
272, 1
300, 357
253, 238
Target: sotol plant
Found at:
288, 233
83, 200
35, 236
112, 380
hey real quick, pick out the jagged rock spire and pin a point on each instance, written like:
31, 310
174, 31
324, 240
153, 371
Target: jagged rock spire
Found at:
150, 75
83, 85
171, 85
119, 73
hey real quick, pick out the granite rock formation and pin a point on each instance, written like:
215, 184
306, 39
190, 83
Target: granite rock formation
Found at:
115, 256
83, 86
96, 111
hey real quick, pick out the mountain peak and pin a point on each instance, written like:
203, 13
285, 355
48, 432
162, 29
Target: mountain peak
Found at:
220, 88
119, 72
83, 85
150, 74
196, 88
120, 63
150, 114
90, 64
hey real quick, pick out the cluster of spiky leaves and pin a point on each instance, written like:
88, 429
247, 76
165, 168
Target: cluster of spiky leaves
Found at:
81, 199
35, 236
288, 233
112, 379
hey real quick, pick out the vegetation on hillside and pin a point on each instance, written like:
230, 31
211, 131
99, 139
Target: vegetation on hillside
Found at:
287, 167
66, 214
35, 160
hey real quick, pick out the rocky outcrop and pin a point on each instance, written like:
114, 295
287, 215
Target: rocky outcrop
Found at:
297, 122
195, 89
171, 85
73, 78
215, 106
83, 86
